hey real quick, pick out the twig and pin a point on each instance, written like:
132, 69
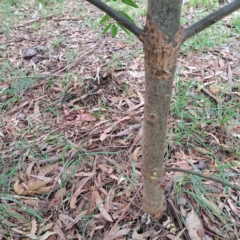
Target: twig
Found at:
230, 82
32, 21
66, 19
233, 186
49, 160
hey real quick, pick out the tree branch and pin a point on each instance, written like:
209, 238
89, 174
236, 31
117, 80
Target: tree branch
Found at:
118, 17
211, 19
233, 186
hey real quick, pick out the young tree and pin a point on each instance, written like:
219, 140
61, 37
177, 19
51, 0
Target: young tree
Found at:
162, 38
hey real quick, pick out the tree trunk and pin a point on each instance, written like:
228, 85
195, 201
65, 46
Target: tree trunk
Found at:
162, 38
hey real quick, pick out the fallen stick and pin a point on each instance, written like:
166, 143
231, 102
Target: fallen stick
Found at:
233, 186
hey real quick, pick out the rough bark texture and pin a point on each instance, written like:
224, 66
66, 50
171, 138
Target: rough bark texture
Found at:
162, 38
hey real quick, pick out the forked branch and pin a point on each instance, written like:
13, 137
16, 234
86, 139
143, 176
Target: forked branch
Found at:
118, 17
188, 33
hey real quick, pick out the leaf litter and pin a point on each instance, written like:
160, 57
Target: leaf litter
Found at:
72, 128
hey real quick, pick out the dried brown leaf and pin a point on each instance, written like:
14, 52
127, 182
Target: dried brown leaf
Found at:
118, 233
34, 226
129, 103
106, 169
103, 136
194, 226
137, 138
75, 220
40, 191
58, 197
59, 232
29, 169
18, 188
87, 117
37, 185
46, 235
78, 191
45, 179
210, 225
100, 205
135, 154
233, 207
71, 116
36, 111
35, 188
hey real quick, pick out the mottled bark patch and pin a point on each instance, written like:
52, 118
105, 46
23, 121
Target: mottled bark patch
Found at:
152, 117
160, 54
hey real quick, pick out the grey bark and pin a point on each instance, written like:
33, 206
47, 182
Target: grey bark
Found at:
162, 38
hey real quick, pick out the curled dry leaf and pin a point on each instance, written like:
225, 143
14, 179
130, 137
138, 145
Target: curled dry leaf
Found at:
194, 226
29, 169
136, 154
35, 188
18, 188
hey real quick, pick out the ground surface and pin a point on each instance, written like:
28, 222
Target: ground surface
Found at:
71, 110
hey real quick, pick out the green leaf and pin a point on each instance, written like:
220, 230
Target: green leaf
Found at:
130, 3
114, 30
126, 16
106, 28
105, 18
123, 28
